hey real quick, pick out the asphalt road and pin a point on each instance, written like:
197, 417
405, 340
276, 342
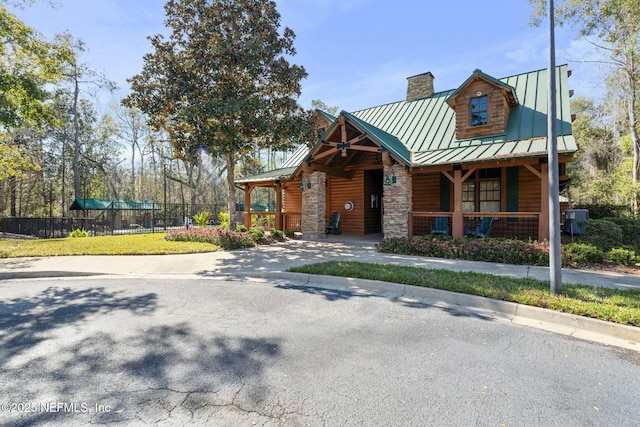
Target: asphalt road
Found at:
203, 351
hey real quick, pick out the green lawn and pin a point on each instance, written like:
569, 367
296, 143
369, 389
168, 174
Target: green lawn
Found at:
129, 244
620, 306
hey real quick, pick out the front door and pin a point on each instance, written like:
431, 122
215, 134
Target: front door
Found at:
373, 201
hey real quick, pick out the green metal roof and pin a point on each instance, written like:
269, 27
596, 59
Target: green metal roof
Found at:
427, 126
115, 204
273, 175
297, 157
385, 139
422, 133
327, 116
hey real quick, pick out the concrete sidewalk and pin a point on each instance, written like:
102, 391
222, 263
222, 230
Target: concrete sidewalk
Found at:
272, 262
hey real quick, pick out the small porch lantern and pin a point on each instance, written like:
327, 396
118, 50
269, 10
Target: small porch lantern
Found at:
389, 180
302, 184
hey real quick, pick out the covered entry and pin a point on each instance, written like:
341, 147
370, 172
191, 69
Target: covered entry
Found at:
352, 161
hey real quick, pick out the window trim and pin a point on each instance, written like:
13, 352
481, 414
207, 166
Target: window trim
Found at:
486, 111
476, 181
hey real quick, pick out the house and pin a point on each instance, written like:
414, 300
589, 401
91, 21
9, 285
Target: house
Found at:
476, 151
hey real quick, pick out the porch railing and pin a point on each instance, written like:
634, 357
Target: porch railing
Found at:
291, 221
513, 225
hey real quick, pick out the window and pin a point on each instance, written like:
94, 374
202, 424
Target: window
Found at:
479, 111
469, 196
321, 132
489, 196
481, 191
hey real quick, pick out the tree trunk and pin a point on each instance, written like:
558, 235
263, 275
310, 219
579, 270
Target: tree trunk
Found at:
231, 198
75, 164
133, 170
635, 172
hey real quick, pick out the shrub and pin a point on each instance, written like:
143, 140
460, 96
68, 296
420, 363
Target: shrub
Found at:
226, 239
289, 233
229, 239
584, 253
602, 233
257, 233
605, 211
202, 218
277, 234
630, 230
241, 228
624, 256
493, 250
78, 232
224, 220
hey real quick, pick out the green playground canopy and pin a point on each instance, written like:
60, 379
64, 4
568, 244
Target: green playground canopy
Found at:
113, 204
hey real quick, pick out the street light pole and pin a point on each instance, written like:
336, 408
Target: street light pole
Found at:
555, 257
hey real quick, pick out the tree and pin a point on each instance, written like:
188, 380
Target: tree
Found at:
318, 104
616, 24
596, 163
27, 64
222, 81
77, 74
133, 130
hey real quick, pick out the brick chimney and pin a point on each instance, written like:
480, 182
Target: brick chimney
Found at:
420, 86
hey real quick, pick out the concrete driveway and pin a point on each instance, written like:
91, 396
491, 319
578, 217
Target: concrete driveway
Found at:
199, 350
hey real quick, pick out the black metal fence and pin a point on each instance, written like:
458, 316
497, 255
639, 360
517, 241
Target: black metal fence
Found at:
109, 222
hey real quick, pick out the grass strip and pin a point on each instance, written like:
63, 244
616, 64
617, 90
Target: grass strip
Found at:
614, 305
126, 244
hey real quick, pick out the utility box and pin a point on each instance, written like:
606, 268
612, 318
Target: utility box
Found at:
574, 221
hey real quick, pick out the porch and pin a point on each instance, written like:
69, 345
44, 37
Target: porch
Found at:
513, 225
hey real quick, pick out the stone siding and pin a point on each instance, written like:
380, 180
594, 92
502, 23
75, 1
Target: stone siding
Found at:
397, 201
313, 205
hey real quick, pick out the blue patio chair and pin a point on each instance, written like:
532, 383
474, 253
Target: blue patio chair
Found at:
481, 230
334, 224
440, 225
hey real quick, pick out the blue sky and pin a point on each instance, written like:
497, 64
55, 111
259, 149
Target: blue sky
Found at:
358, 53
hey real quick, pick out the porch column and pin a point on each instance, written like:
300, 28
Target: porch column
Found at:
278, 187
313, 205
398, 201
457, 220
543, 223
247, 205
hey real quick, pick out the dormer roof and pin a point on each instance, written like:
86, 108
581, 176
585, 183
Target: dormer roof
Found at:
509, 91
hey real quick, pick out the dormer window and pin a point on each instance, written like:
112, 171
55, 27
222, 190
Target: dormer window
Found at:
479, 113
482, 105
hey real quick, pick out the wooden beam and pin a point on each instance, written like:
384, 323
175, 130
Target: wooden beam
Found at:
534, 171
387, 160
278, 188
446, 174
457, 220
247, 206
325, 154
468, 174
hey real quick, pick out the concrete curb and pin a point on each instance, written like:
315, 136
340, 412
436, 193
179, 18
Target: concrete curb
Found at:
579, 327
46, 274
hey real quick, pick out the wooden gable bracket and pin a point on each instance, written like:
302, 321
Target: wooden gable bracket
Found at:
463, 178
